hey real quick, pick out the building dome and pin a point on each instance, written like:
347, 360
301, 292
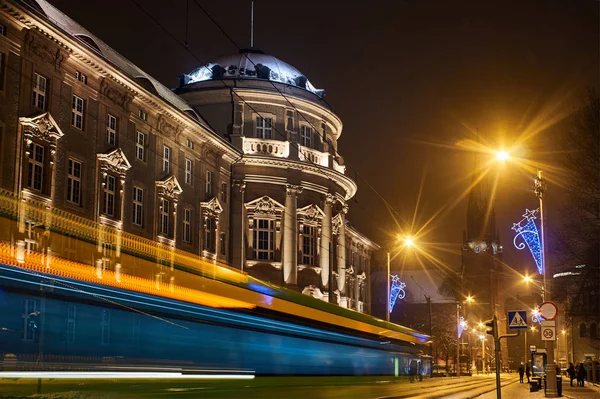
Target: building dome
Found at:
252, 64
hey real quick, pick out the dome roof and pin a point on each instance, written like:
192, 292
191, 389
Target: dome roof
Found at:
252, 64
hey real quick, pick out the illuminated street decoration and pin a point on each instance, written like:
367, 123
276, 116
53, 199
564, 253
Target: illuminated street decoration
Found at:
536, 317
396, 291
462, 324
530, 236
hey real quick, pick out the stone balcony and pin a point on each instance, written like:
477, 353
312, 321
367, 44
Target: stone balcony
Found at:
258, 146
308, 154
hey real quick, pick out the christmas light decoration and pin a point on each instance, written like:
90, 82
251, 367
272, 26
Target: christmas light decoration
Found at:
462, 324
530, 237
397, 291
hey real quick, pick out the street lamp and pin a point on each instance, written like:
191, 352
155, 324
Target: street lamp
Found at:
502, 155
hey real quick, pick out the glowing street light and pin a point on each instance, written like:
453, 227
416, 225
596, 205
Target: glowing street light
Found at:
408, 242
527, 279
502, 155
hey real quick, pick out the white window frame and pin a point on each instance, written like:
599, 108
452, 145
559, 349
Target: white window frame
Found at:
143, 115
137, 216
264, 127
188, 171
110, 188
263, 233
164, 217
166, 167
140, 143
309, 244
40, 85
74, 181
306, 135
71, 320
36, 168
111, 129
77, 111
190, 144
187, 225
209, 184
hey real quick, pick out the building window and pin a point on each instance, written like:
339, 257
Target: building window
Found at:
81, 77
188, 171
264, 127
35, 173
143, 115
224, 192
166, 159
71, 314
190, 144
109, 195
222, 243
138, 206
187, 225
30, 316
77, 112
309, 244
39, 91
208, 183
140, 142
263, 239
305, 135
582, 330
73, 181
208, 235
324, 131
290, 125
164, 217
111, 130
105, 326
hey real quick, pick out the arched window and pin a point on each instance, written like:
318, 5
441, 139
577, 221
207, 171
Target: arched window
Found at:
582, 332
593, 330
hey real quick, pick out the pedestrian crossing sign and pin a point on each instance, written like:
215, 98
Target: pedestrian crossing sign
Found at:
517, 319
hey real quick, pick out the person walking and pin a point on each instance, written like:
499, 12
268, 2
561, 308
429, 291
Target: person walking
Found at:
527, 371
571, 373
521, 372
581, 375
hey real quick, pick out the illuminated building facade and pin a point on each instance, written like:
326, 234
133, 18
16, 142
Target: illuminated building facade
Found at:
85, 131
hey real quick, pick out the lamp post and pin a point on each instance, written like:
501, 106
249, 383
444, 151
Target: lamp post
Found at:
408, 242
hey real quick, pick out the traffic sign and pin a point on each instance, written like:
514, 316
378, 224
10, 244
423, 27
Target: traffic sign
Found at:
548, 330
517, 319
548, 310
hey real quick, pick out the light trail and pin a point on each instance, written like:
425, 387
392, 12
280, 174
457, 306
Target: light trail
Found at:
95, 375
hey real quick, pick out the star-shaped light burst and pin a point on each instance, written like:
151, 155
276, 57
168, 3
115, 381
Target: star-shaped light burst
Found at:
530, 236
396, 291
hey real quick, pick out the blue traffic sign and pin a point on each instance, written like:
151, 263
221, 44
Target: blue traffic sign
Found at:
517, 319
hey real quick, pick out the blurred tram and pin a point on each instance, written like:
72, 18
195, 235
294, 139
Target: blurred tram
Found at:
78, 295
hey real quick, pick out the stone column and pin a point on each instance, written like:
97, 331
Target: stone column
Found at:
341, 252
326, 232
290, 235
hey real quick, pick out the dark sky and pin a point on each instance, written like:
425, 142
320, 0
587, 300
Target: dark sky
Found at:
409, 79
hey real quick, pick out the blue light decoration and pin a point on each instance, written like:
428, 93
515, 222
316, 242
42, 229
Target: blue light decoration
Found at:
536, 317
530, 236
462, 324
396, 291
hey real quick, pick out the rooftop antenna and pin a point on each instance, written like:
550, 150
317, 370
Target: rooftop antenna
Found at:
252, 24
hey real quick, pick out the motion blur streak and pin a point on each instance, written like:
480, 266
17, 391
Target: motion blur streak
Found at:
120, 376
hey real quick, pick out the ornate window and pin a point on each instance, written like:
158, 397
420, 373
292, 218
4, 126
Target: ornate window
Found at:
74, 181
77, 108
188, 171
309, 245
111, 130
209, 227
39, 91
263, 239
211, 211
582, 330
165, 207
168, 191
187, 225
110, 186
140, 143
264, 127
35, 173
137, 215
305, 135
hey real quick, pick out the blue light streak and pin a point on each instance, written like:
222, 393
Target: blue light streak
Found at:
396, 291
461, 325
530, 236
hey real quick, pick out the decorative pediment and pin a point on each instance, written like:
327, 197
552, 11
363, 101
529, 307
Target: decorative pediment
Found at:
42, 127
168, 188
114, 161
336, 222
311, 213
212, 207
265, 206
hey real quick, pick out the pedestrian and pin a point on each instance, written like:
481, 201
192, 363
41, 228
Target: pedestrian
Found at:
413, 370
420, 371
581, 375
571, 373
527, 371
521, 372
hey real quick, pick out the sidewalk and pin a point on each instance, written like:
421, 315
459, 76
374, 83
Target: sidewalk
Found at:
521, 391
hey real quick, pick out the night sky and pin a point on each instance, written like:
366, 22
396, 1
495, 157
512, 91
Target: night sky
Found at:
409, 79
